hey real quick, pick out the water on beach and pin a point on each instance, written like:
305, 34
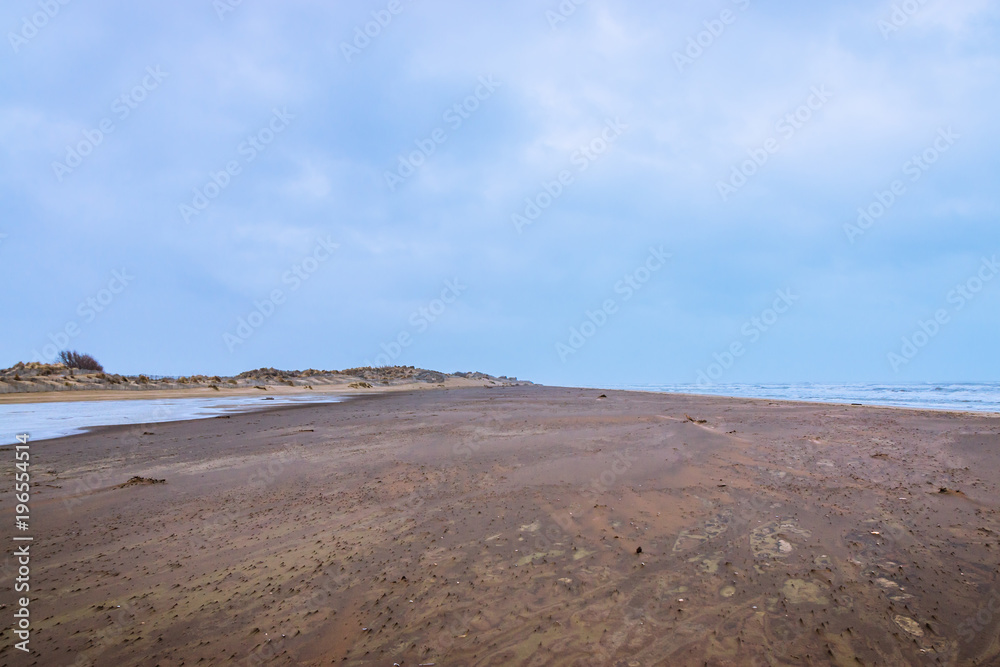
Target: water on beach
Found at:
42, 421
965, 396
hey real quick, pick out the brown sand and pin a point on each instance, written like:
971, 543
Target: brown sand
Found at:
501, 527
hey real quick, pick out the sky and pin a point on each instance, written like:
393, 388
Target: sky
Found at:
582, 192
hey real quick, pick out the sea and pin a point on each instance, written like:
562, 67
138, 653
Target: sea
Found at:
43, 421
963, 396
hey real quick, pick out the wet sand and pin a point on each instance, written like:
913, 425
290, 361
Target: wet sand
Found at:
503, 526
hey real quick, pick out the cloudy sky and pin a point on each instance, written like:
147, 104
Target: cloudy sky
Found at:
584, 193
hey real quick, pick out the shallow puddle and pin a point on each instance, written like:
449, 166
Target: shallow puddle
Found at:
714, 527
799, 591
773, 540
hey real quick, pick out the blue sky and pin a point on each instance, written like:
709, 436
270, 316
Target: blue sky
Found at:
497, 186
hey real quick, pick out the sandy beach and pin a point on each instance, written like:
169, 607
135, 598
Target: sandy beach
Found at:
521, 525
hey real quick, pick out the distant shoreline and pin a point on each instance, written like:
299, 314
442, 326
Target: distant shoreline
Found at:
919, 396
152, 394
44, 383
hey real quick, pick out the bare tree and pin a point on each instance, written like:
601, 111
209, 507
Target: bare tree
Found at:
84, 362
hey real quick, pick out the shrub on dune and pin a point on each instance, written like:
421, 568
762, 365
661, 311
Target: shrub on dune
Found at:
85, 362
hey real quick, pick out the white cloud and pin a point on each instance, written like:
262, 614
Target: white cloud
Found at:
311, 182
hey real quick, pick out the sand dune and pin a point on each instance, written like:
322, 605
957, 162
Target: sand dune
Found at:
34, 382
